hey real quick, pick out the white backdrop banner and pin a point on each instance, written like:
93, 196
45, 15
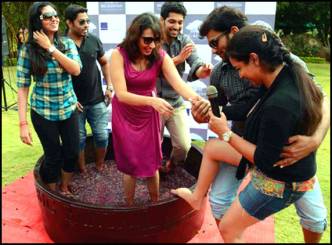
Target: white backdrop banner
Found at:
110, 20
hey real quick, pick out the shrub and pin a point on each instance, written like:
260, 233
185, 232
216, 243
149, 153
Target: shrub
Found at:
9, 61
317, 60
325, 53
302, 44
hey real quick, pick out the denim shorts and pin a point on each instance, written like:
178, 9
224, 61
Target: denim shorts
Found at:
260, 205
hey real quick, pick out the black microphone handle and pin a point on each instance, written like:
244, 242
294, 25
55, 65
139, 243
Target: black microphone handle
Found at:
215, 107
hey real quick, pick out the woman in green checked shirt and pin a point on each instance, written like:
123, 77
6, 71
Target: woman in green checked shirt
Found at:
51, 61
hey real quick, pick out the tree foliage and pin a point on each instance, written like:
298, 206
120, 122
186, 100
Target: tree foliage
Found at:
302, 17
16, 16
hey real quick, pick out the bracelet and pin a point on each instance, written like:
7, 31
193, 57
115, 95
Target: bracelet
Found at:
23, 123
109, 88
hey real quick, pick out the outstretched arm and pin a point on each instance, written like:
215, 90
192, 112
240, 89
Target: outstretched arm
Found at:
174, 79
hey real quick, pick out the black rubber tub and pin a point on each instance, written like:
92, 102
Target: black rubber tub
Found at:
68, 220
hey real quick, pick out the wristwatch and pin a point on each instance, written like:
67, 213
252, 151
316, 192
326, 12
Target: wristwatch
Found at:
227, 136
51, 49
109, 88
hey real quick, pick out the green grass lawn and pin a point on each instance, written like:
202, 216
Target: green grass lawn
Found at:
287, 228
18, 159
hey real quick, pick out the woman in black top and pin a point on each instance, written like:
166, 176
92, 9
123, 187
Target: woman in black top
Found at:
291, 105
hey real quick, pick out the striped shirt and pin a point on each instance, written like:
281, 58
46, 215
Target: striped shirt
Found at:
233, 90
53, 95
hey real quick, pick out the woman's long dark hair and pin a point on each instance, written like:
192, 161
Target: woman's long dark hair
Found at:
272, 53
138, 26
39, 56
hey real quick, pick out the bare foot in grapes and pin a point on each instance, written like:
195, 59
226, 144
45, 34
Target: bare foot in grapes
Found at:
100, 167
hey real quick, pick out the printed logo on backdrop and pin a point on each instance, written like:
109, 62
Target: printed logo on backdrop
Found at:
103, 26
94, 25
112, 8
270, 19
129, 19
191, 27
157, 7
236, 5
215, 59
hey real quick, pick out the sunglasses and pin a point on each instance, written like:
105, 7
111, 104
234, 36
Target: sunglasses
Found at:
149, 40
48, 15
82, 22
213, 43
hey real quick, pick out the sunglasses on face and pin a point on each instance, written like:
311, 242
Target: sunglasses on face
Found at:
82, 22
213, 43
149, 40
48, 15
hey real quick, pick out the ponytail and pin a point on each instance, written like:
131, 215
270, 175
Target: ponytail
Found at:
272, 53
311, 96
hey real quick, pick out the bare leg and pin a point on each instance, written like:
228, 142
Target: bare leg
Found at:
311, 237
129, 183
234, 223
214, 151
100, 158
238, 238
81, 162
65, 180
153, 187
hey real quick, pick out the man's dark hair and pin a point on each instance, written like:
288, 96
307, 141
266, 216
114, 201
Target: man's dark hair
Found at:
175, 7
73, 10
71, 13
222, 19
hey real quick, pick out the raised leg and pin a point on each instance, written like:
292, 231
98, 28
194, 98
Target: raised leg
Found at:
215, 151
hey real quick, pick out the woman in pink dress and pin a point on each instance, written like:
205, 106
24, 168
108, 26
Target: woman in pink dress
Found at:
135, 65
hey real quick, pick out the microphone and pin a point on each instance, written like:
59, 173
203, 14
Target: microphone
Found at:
212, 94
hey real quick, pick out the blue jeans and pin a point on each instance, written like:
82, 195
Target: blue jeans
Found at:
97, 117
310, 207
311, 210
223, 190
259, 205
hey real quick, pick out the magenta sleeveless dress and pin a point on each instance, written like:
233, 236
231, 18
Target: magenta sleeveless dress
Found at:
136, 129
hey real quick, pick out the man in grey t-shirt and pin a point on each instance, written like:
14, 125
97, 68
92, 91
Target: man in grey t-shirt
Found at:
181, 49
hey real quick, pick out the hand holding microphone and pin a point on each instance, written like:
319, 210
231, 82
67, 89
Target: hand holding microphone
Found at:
218, 121
200, 110
212, 94
218, 125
